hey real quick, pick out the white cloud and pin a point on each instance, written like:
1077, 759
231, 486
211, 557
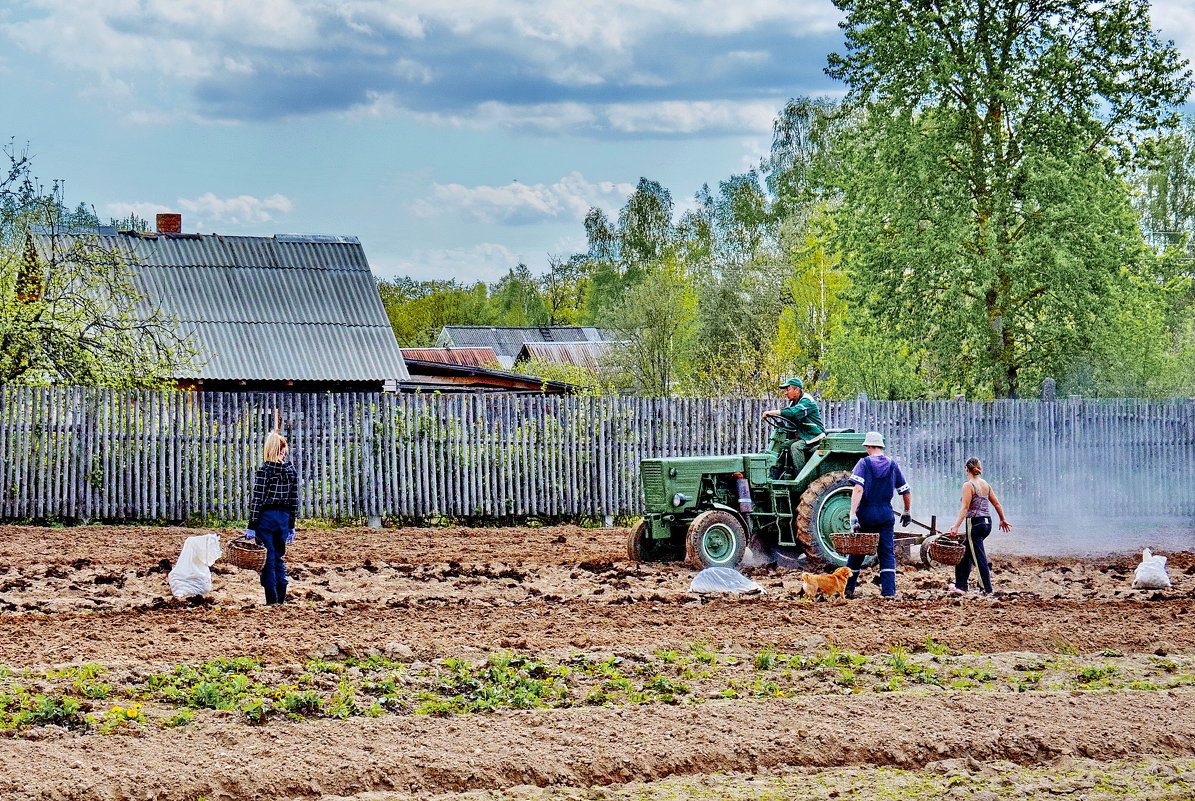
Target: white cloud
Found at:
754, 150
547, 65
688, 117
483, 262
1176, 19
210, 211
240, 210
624, 68
522, 204
667, 118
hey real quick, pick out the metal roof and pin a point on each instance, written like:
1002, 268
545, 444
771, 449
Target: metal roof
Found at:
469, 357
587, 355
508, 341
266, 308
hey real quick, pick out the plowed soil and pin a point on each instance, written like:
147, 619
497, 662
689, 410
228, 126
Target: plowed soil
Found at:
71, 596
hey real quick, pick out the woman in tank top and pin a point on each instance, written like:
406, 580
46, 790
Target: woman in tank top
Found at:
978, 498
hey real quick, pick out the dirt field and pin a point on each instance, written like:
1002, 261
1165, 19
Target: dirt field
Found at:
537, 662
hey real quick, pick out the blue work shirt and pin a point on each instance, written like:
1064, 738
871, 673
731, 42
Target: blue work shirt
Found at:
880, 478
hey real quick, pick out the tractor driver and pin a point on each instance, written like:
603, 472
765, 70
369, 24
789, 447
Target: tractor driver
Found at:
803, 418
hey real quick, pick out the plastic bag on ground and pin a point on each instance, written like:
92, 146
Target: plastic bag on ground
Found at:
1151, 573
723, 579
191, 574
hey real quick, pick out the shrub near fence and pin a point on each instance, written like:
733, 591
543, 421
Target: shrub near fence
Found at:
91, 453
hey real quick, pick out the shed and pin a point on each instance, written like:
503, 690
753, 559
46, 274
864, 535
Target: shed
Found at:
586, 355
283, 312
507, 341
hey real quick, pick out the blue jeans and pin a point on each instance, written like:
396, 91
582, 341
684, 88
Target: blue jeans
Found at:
271, 532
886, 553
978, 528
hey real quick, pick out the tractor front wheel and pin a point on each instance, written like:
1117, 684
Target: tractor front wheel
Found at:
825, 509
715, 539
635, 541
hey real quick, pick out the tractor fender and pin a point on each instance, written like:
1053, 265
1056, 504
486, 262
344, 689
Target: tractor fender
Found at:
744, 519
810, 471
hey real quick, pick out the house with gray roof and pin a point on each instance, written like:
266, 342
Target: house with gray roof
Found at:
283, 312
508, 341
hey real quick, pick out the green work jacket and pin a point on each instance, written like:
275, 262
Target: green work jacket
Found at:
805, 417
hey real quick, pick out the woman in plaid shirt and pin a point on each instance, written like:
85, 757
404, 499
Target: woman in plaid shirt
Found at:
272, 514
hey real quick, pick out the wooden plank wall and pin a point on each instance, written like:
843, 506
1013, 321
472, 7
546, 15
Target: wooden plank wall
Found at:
105, 454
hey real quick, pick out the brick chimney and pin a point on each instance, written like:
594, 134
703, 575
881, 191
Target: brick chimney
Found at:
170, 223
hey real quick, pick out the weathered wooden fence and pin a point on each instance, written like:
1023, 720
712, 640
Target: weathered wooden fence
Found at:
104, 454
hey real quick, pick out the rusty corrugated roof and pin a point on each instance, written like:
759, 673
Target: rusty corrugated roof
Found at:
468, 357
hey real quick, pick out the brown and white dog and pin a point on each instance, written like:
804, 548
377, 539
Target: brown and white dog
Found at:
829, 585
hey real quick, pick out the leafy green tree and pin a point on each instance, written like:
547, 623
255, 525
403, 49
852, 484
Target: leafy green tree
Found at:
646, 234
816, 308
621, 254
1166, 192
656, 324
419, 309
608, 380
517, 299
728, 244
563, 287
861, 358
70, 310
984, 216
804, 136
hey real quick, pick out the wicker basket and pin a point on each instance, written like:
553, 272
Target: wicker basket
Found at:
855, 544
246, 554
947, 550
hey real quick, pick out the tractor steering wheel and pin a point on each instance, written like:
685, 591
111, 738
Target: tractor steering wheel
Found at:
779, 422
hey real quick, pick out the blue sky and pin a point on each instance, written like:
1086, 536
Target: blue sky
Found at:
455, 138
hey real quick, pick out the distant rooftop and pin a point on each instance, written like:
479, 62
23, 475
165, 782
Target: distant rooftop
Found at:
586, 355
507, 341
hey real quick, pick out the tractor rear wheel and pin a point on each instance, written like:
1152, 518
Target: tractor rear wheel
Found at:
715, 539
825, 509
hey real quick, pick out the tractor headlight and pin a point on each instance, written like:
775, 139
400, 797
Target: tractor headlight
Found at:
680, 499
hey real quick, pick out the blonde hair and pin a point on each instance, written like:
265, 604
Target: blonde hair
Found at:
974, 467
275, 442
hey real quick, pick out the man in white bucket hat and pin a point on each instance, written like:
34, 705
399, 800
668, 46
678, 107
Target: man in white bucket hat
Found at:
876, 479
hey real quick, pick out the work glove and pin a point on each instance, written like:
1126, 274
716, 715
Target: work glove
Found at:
854, 525
250, 534
904, 520
290, 536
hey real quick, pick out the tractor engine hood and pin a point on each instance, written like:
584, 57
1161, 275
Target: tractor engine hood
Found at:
665, 479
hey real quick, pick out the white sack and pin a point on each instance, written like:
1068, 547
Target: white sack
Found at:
723, 579
1151, 573
191, 575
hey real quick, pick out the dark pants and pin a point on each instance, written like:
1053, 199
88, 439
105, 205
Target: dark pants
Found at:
978, 528
271, 532
885, 554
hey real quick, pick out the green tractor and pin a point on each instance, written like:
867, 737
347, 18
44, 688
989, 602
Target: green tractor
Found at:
706, 510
